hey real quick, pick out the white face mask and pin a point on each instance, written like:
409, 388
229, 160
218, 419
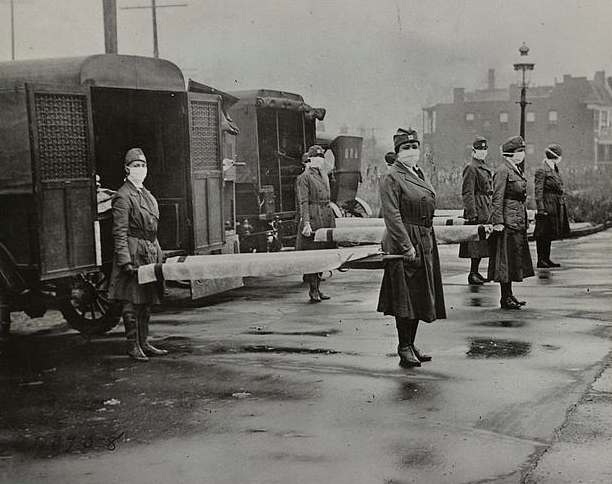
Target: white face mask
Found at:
518, 156
479, 154
137, 174
409, 158
558, 160
317, 162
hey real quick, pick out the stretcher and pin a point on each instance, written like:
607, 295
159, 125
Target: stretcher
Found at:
203, 267
451, 234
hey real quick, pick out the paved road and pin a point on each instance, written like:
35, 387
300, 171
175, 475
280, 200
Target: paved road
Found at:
263, 387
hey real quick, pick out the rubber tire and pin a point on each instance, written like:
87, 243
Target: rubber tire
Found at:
106, 314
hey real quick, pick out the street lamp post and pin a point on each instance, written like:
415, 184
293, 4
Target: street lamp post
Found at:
523, 66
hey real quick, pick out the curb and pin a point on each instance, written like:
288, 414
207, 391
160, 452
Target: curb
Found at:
581, 231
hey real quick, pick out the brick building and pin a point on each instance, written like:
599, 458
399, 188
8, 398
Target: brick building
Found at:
576, 113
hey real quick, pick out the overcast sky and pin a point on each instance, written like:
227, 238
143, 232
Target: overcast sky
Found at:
370, 63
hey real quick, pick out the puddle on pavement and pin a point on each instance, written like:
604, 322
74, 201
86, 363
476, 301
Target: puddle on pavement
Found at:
545, 277
286, 349
409, 390
476, 299
504, 323
324, 333
497, 348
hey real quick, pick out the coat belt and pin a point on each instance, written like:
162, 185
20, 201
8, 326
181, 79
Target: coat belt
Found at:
142, 234
518, 198
420, 223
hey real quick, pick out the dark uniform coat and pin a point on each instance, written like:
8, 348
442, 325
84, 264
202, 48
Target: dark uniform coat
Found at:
408, 205
313, 198
135, 219
549, 197
476, 192
510, 259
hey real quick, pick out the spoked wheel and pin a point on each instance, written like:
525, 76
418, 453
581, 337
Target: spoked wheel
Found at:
88, 308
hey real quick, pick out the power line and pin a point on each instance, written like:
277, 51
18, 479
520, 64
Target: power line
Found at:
154, 8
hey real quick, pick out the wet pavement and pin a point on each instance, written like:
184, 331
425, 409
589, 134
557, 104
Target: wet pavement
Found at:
263, 387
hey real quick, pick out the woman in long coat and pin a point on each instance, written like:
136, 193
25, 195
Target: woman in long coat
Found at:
551, 218
411, 289
135, 220
476, 192
510, 260
313, 199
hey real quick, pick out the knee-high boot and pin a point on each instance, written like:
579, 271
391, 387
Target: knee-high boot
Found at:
417, 352
550, 263
131, 333
405, 349
507, 300
313, 290
144, 314
541, 250
323, 297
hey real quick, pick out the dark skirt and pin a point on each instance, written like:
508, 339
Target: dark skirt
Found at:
125, 287
552, 226
477, 249
414, 293
510, 259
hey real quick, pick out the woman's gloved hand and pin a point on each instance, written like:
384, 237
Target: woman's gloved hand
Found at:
307, 229
410, 254
128, 268
498, 227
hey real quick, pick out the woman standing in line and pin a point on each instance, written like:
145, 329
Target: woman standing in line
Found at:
510, 260
135, 220
476, 192
313, 199
551, 218
411, 288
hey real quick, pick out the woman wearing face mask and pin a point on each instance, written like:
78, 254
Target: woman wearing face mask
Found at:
313, 197
551, 217
411, 289
510, 260
476, 192
135, 219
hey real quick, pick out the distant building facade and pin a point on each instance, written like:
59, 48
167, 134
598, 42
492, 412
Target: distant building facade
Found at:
576, 113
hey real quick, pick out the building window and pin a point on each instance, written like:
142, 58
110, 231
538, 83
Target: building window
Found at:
469, 118
430, 122
603, 119
553, 117
530, 117
486, 125
530, 149
503, 117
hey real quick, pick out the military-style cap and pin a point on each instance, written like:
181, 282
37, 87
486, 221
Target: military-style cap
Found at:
404, 136
134, 154
554, 150
480, 143
316, 150
512, 144
390, 158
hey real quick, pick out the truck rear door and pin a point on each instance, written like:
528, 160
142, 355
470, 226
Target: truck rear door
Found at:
206, 171
61, 141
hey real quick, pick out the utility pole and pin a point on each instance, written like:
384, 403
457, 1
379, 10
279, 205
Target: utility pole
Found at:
12, 31
154, 8
109, 10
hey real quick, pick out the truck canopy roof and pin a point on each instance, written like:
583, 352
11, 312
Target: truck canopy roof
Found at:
102, 70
